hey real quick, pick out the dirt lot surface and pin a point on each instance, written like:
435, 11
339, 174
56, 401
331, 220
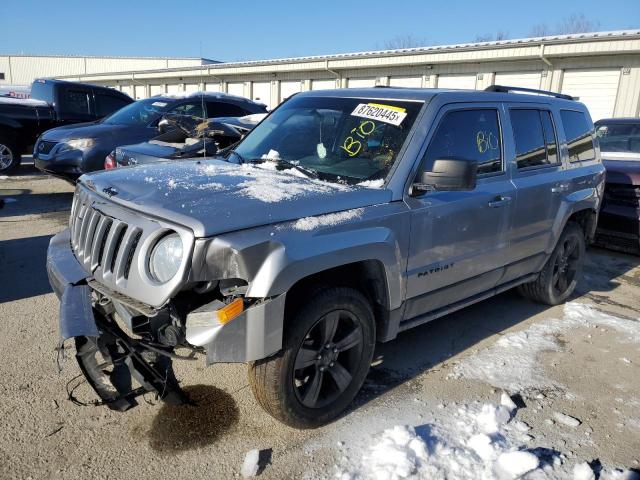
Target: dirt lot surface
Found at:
591, 372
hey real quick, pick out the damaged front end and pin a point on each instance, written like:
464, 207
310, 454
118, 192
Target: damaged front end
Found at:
125, 347
118, 366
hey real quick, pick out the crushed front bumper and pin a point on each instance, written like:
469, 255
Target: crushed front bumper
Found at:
108, 357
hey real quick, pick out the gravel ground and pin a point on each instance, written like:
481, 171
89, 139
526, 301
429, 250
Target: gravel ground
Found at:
44, 435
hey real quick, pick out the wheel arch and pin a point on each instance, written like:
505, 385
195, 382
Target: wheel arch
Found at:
366, 276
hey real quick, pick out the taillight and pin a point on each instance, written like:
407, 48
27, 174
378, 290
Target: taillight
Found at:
110, 162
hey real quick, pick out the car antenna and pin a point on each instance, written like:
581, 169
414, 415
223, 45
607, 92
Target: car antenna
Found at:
204, 115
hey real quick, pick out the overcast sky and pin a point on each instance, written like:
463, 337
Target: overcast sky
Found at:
238, 30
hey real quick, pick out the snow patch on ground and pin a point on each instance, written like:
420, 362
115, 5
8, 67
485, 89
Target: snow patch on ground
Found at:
479, 441
457, 446
251, 464
512, 362
331, 219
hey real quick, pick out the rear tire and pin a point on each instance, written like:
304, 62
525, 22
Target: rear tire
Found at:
326, 356
9, 155
559, 277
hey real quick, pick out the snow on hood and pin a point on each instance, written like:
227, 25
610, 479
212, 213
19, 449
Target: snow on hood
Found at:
214, 196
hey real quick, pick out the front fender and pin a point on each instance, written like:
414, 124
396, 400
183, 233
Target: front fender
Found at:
317, 253
273, 258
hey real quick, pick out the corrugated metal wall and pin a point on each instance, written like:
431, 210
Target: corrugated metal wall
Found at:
23, 69
602, 69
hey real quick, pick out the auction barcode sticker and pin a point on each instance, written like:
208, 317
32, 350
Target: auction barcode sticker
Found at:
382, 113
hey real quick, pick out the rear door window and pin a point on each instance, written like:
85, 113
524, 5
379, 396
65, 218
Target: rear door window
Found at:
579, 135
535, 138
472, 135
76, 101
223, 109
107, 104
193, 109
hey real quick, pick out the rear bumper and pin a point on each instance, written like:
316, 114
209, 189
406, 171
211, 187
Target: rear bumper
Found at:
619, 228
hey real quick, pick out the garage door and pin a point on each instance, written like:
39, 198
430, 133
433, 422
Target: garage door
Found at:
457, 81
157, 90
518, 79
409, 82
261, 92
361, 82
236, 88
288, 88
323, 84
175, 88
212, 87
597, 89
140, 92
191, 87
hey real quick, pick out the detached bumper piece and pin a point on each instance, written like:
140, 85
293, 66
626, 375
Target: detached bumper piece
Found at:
112, 361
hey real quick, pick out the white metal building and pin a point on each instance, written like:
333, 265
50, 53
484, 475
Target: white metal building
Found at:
23, 69
602, 69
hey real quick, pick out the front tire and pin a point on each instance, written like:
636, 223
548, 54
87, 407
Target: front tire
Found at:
559, 277
326, 356
9, 155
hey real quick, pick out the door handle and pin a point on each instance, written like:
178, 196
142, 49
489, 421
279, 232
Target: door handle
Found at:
500, 201
560, 187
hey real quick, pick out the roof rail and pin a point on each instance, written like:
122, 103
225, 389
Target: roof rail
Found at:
506, 89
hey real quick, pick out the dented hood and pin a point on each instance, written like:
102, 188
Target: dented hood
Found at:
213, 196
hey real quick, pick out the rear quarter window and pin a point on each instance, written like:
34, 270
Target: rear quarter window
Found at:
579, 135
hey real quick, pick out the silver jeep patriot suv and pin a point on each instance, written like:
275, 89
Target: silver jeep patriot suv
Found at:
343, 218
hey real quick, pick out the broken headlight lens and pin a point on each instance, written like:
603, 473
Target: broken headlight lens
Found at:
165, 258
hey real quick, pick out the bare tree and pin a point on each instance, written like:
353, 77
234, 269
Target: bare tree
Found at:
575, 23
492, 37
404, 41
540, 30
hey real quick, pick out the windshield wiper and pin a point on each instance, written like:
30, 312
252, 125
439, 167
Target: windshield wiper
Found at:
280, 161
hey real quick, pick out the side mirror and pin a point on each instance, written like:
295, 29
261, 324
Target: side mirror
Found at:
448, 174
163, 125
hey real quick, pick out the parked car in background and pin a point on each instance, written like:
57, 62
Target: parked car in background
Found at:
186, 142
619, 222
68, 152
52, 103
342, 219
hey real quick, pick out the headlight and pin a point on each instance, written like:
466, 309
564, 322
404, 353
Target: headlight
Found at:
165, 258
81, 144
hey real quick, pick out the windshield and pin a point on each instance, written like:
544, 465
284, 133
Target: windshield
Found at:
344, 140
141, 112
619, 138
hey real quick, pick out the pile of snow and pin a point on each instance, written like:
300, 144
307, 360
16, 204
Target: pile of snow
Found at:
372, 183
471, 442
331, 219
512, 362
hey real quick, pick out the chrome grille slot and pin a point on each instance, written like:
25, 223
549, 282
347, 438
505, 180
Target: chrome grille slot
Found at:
113, 242
124, 249
97, 244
